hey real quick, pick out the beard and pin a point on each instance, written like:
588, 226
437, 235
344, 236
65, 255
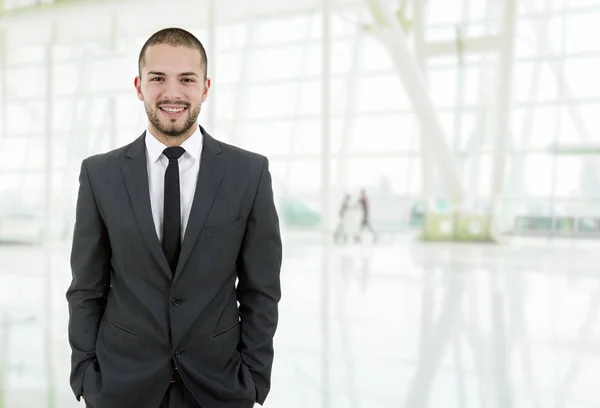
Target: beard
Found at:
172, 129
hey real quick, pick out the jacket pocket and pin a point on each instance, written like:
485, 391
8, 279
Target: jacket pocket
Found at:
224, 229
224, 331
120, 328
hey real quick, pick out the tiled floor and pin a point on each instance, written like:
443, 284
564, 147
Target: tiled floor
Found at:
408, 325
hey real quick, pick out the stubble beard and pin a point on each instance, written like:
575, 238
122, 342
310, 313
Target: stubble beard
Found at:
172, 130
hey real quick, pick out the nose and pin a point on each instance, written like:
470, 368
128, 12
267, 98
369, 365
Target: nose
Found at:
173, 90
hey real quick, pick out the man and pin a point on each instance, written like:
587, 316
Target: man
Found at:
164, 228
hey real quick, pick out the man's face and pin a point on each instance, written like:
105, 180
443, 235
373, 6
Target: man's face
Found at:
172, 88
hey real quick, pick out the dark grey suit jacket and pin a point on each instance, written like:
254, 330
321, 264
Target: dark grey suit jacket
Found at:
130, 321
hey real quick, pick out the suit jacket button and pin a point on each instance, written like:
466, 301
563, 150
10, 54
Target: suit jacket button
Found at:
176, 301
178, 354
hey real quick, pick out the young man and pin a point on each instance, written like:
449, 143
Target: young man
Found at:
164, 228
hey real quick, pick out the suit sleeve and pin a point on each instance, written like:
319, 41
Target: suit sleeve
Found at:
87, 294
259, 290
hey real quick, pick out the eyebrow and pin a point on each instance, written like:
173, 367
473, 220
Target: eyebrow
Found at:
180, 75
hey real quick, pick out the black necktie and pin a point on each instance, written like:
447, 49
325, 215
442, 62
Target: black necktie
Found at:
172, 210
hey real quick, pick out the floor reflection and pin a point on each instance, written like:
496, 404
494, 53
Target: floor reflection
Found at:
410, 325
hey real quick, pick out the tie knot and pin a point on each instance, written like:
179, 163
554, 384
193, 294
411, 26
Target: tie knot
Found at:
174, 152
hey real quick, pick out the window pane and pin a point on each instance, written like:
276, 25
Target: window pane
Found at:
276, 63
265, 137
271, 101
381, 93
281, 30
580, 74
382, 134
535, 81
582, 31
535, 127
535, 174
26, 82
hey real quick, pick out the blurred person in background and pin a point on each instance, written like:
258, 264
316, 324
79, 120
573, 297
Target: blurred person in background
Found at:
164, 228
341, 232
365, 208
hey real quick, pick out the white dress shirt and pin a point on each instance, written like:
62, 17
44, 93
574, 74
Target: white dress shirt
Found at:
189, 166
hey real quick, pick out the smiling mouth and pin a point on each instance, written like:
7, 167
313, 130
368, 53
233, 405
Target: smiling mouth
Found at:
172, 111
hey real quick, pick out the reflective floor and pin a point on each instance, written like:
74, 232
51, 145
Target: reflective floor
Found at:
408, 325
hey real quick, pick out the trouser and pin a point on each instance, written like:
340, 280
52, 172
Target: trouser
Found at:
178, 396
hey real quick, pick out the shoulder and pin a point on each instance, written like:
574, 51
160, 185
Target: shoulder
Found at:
109, 159
241, 157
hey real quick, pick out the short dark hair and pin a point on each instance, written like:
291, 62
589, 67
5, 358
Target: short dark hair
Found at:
176, 37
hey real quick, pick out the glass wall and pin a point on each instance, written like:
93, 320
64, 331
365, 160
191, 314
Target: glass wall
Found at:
73, 96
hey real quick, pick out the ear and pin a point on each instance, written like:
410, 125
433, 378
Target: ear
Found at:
206, 88
137, 82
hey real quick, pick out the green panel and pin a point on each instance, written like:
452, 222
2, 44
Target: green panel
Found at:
297, 214
461, 227
473, 228
438, 227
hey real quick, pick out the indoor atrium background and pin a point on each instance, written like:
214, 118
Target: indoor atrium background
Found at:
472, 125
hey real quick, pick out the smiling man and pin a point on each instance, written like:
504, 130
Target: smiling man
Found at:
176, 255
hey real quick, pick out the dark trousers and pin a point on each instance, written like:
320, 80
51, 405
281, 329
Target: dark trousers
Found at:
178, 396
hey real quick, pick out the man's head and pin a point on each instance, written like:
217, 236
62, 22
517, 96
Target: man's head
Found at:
172, 82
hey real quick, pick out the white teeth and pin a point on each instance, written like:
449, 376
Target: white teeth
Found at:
174, 110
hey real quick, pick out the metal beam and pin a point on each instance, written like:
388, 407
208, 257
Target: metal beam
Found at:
469, 45
393, 39
516, 180
478, 136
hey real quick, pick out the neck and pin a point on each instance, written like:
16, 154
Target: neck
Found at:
171, 141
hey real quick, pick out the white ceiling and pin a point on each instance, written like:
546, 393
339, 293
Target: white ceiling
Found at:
179, 11
90, 20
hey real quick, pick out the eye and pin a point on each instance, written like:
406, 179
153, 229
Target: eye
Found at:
155, 79
188, 80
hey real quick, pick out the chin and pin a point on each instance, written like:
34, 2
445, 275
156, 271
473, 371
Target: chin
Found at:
175, 132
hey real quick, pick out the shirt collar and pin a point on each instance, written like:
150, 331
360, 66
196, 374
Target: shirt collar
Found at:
192, 145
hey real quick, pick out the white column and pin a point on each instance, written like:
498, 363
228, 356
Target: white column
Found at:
349, 115
211, 106
4, 357
426, 159
505, 81
326, 49
113, 127
50, 226
3, 83
112, 101
48, 132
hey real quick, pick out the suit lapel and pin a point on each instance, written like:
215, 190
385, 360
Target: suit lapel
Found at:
135, 172
212, 170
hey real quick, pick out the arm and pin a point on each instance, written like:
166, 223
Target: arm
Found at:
258, 290
90, 265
